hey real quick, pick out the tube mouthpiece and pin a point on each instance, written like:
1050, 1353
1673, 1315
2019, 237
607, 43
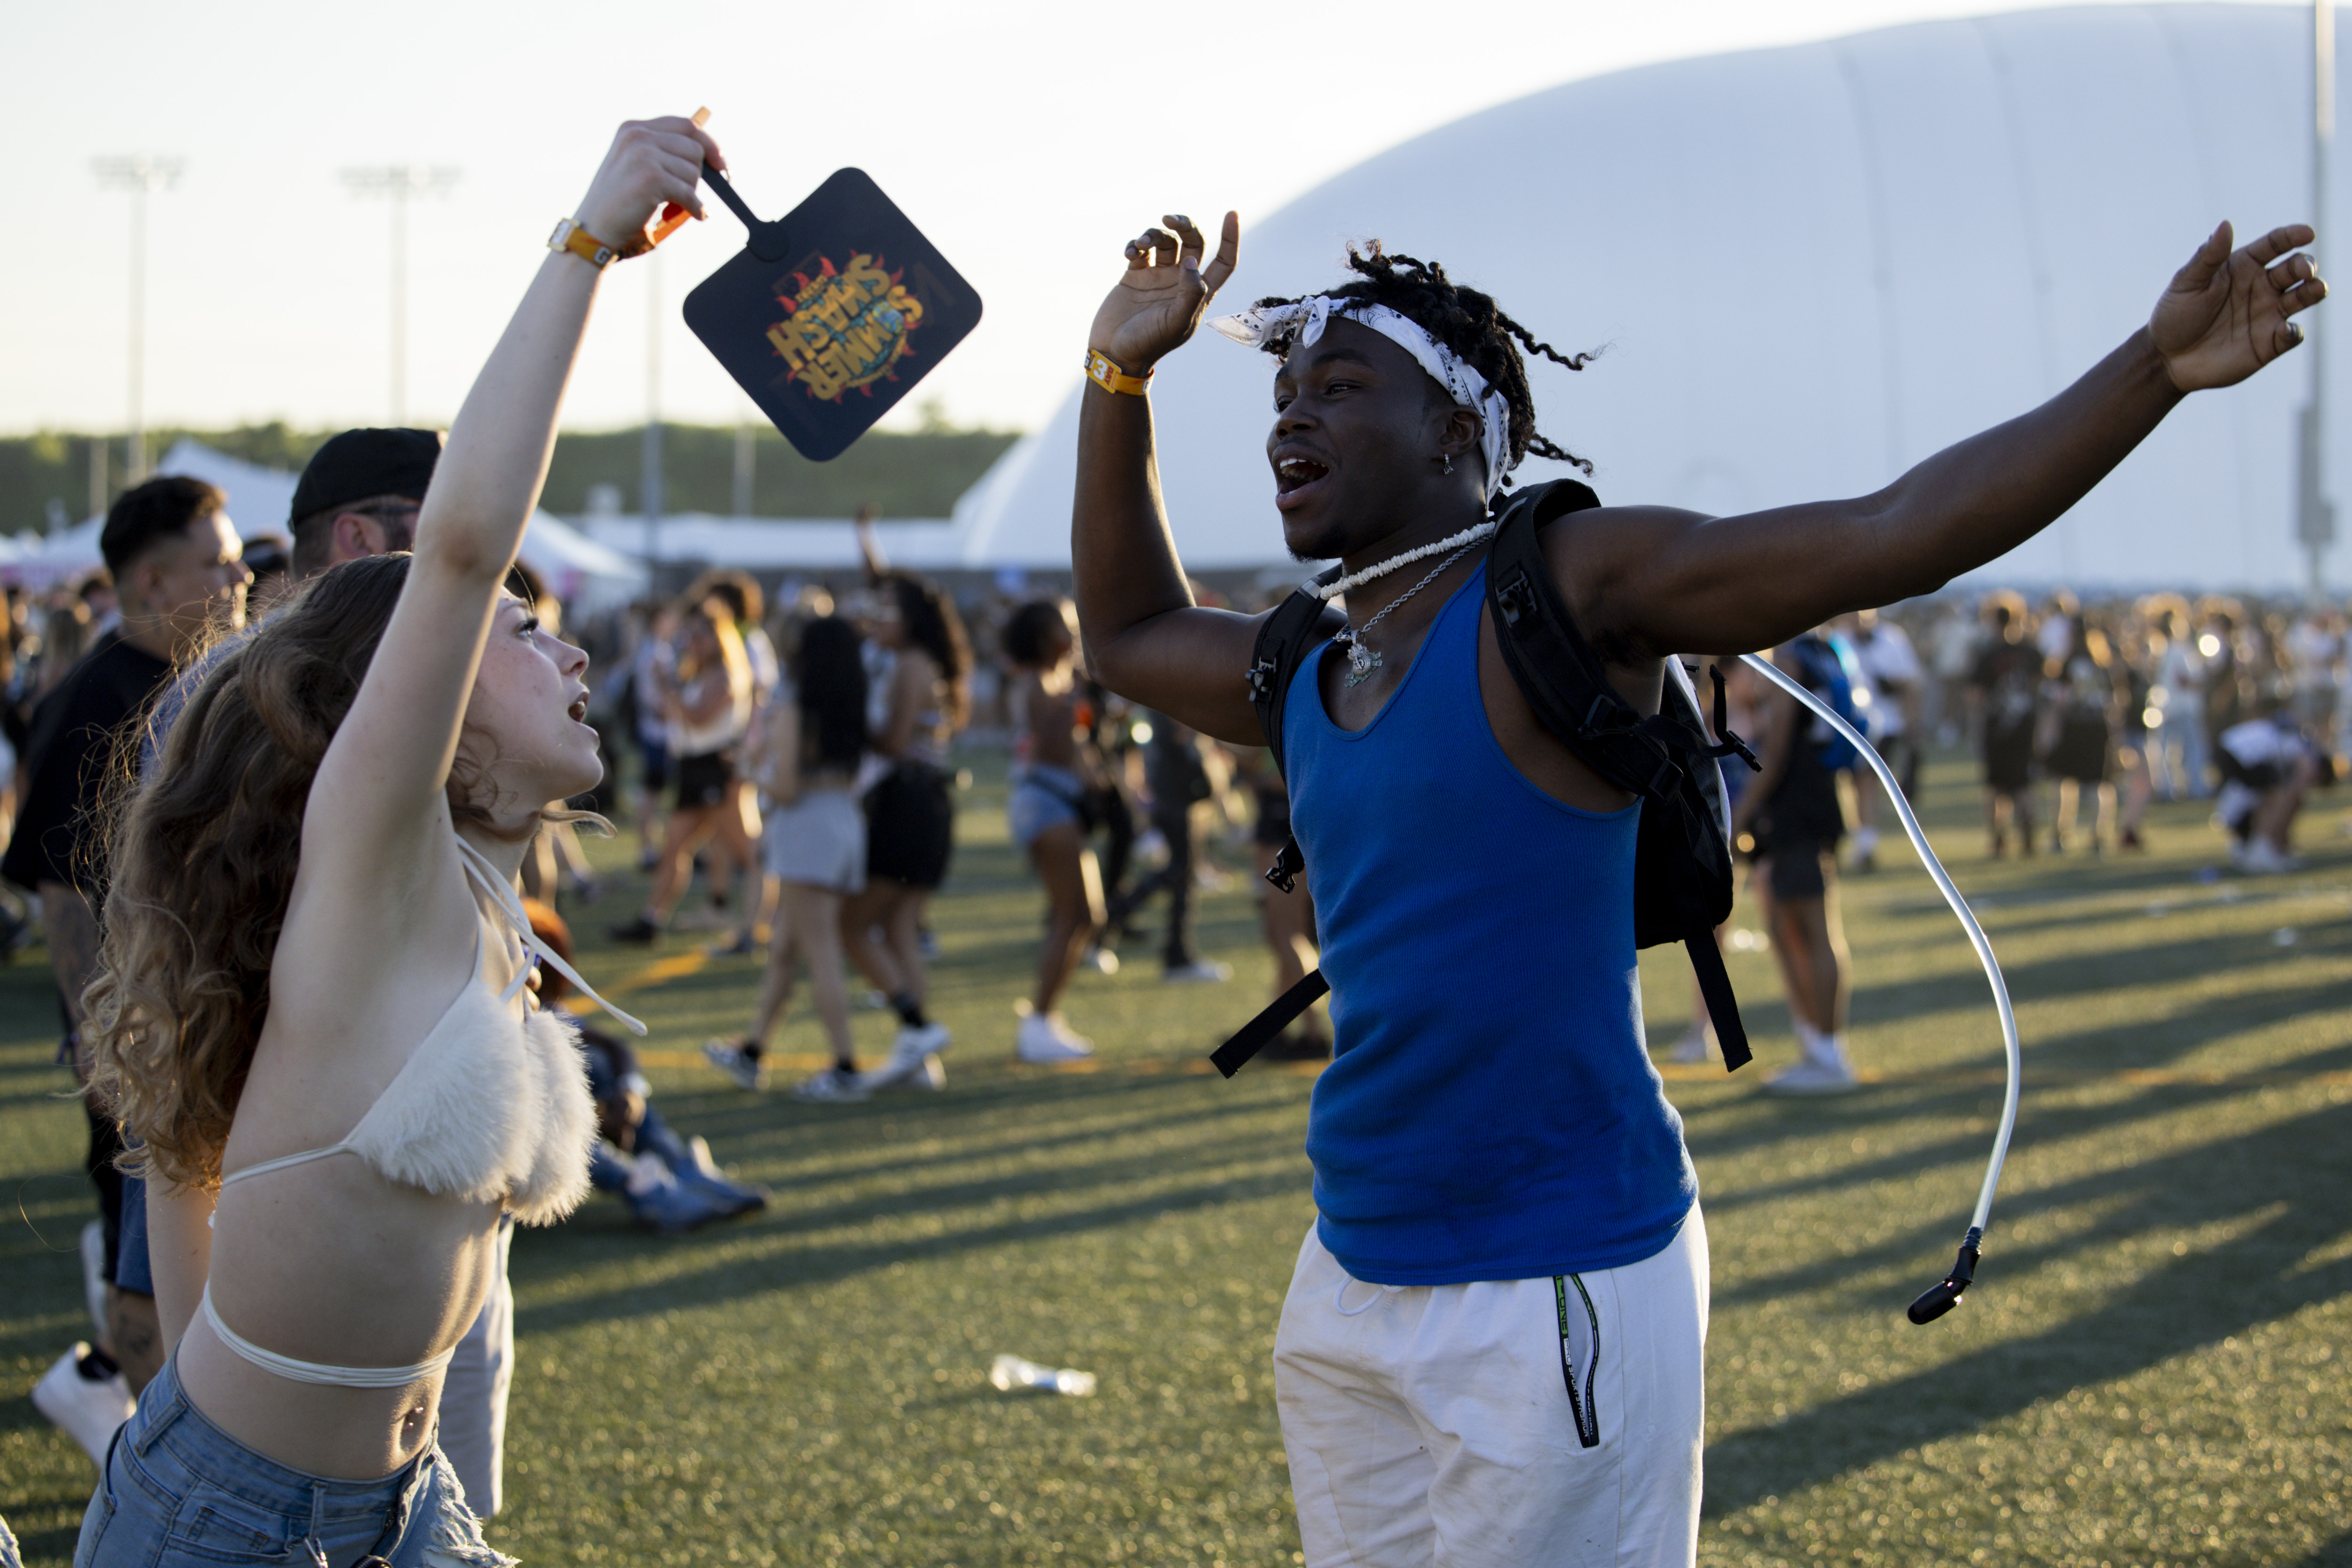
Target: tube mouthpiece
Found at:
1942, 1298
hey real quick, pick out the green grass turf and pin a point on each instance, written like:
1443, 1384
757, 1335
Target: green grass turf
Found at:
2152, 1369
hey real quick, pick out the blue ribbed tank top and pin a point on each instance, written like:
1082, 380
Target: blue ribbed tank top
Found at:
1490, 1112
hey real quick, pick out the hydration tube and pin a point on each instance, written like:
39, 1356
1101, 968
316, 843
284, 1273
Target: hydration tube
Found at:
1942, 1298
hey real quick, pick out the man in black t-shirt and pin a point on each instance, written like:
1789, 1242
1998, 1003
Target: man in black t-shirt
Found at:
176, 562
2006, 684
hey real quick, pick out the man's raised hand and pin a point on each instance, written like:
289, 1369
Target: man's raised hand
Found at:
2226, 314
1159, 299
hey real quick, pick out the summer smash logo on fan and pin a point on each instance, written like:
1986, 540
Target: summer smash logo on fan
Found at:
845, 328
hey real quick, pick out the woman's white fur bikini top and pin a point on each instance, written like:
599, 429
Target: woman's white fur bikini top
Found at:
490, 1107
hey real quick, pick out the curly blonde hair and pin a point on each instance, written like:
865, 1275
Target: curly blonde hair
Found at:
203, 857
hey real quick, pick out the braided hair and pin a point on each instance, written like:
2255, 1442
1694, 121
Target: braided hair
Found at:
1466, 322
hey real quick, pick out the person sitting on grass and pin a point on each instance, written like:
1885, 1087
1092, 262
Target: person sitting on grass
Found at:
2267, 766
1047, 807
671, 1184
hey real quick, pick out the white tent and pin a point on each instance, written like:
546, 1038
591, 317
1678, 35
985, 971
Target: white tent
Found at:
767, 544
579, 571
1811, 267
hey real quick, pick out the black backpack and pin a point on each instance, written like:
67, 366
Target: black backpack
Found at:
1682, 858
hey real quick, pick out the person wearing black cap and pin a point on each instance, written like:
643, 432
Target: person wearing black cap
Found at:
359, 495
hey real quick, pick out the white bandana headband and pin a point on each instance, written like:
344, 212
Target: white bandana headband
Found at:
1257, 325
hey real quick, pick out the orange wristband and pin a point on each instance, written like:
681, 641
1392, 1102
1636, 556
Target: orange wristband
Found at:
568, 235
1110, 378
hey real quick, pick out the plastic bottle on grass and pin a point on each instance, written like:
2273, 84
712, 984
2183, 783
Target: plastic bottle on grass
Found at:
1011, 1373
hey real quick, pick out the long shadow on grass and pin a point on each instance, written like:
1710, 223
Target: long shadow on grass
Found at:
730, 1280
997, 1118
1223, 1162
1966, 1108
2292, 1170
2064, 975
939, 1151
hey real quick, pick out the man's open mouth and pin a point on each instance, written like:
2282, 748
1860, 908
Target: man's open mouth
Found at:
579, 711
1297, 473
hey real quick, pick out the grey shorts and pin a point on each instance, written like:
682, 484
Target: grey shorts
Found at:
818, 841
1042, 796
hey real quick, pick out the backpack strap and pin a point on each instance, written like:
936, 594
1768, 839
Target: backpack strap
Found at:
1563, 679
1299, 622
1259, 1032
1567, 686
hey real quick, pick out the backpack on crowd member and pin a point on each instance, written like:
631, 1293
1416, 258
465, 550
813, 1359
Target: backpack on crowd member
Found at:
1682, 863
1829, 672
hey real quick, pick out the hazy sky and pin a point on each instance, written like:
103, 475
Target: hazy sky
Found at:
1029, 140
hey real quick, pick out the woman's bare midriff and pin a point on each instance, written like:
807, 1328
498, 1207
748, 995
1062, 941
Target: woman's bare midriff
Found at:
329, 1262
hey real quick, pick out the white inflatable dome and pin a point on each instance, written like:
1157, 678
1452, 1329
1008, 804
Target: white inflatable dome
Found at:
1811, 267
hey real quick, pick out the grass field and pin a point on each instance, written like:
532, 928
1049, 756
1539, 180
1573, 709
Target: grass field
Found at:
2151, 1370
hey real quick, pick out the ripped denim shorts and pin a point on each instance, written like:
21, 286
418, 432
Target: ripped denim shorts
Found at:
177, 1490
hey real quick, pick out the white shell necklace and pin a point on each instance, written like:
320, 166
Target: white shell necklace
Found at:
1362, 661
1327, 592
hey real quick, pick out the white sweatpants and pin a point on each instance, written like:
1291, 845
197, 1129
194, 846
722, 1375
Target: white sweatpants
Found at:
1432, 1426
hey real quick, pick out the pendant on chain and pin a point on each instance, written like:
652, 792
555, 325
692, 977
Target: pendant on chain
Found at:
1361, 662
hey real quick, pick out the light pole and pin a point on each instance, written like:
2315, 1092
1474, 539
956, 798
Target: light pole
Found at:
650, 472
2315, 514
397, 182
142, 176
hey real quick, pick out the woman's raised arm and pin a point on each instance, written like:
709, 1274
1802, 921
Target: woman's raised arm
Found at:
380, 786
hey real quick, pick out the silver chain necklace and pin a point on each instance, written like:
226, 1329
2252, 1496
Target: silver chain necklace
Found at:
1361, 659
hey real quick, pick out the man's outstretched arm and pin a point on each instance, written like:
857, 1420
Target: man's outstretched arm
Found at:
1652, 581
1144, 637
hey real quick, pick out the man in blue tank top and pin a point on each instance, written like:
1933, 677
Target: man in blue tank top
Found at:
1492, 1350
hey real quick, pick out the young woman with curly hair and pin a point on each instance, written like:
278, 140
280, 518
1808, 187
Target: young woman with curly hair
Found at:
331, 1144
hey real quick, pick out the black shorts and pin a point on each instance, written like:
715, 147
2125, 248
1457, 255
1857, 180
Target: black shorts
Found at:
2083, 752
654, 757
704, 780
911, 825
1795, 867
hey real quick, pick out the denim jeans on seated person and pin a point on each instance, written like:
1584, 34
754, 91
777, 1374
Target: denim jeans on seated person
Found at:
177, 1490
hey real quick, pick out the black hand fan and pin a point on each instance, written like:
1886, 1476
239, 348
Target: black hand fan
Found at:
831, 313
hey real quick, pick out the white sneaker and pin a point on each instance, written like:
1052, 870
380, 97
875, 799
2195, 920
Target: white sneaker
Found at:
1044, 1039
1100, 959
929, 1073
1813, 1077
746, 1071
93, 1273
914, 1054
1200, 972
90, 1411
2263, 858
833, 1087
1693, 1046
